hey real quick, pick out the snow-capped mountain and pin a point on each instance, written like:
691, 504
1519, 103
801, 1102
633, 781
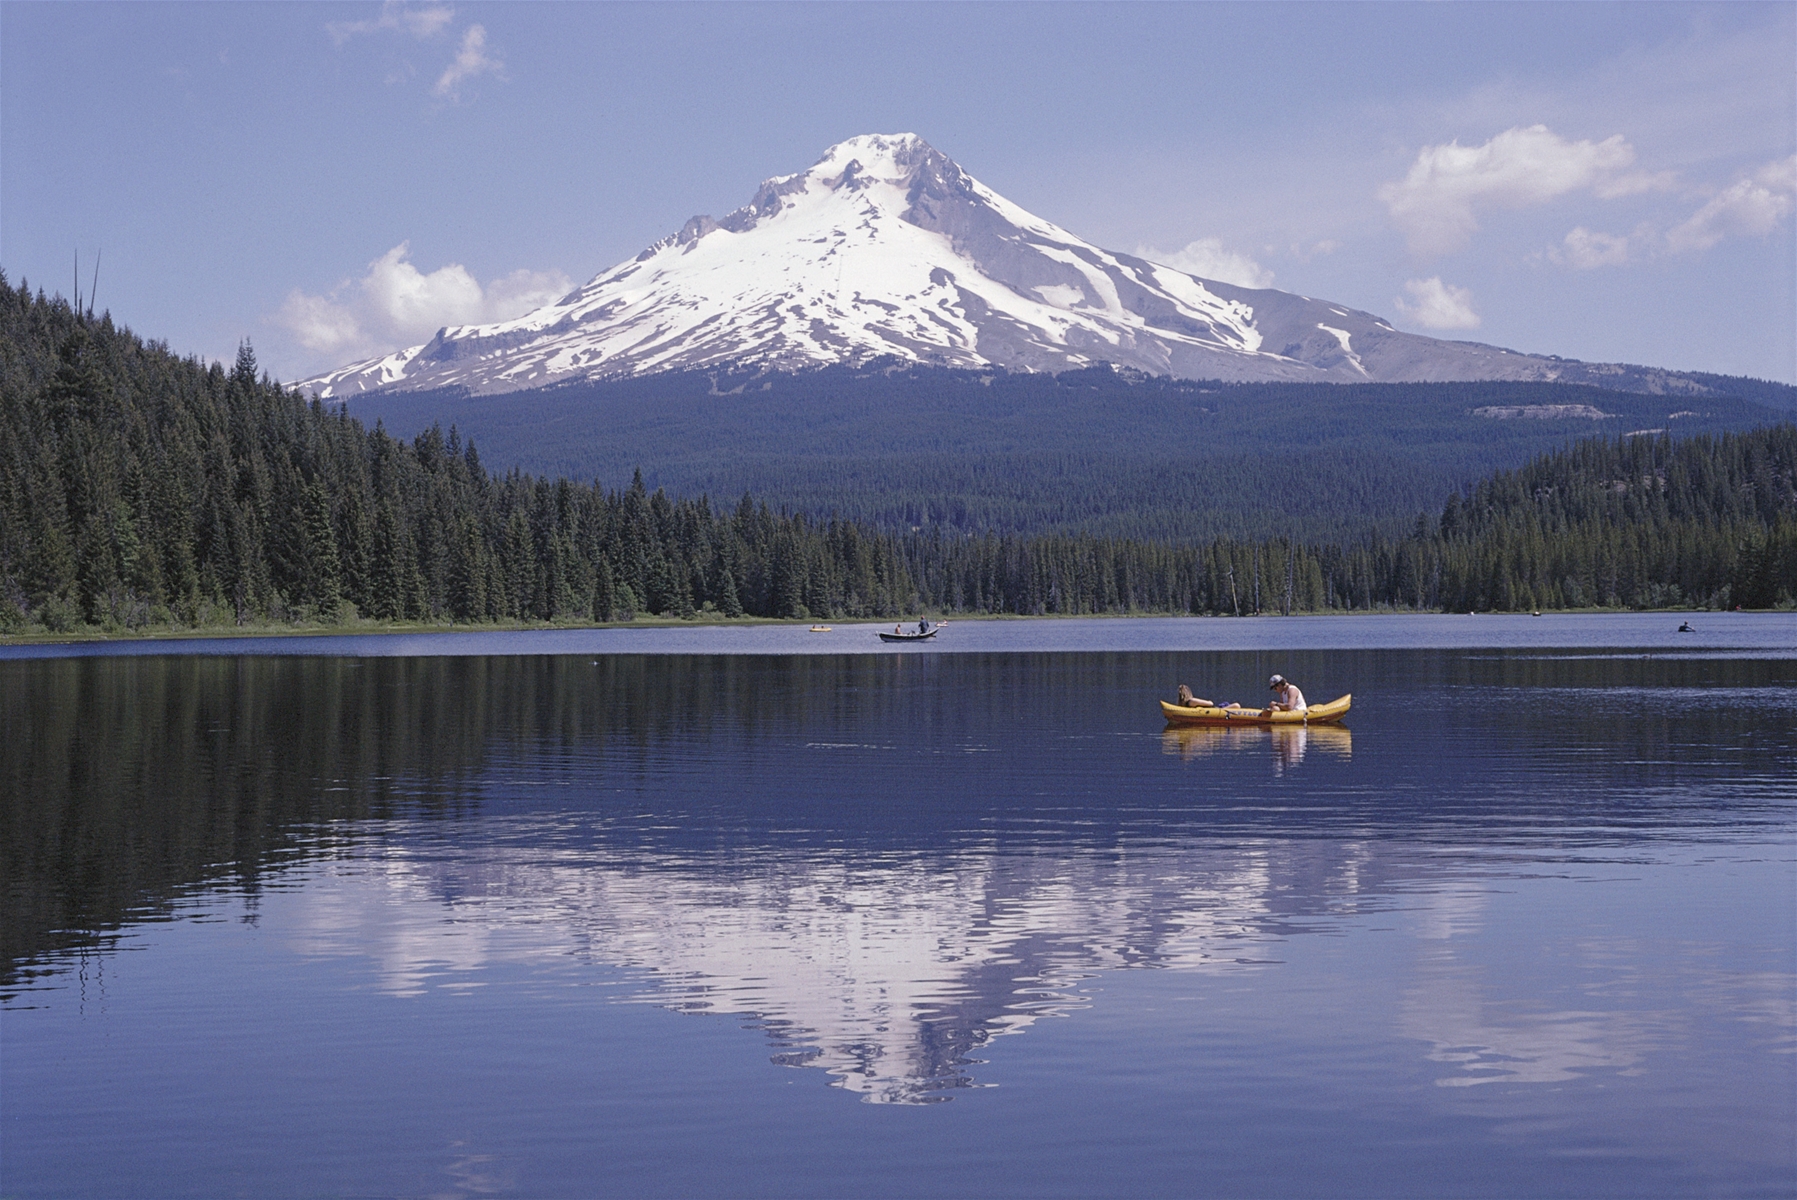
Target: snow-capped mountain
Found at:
887, 248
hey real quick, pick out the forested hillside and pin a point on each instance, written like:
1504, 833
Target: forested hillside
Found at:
1085, 452
140, 489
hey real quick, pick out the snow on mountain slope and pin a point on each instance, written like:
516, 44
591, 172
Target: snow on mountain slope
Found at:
887, 248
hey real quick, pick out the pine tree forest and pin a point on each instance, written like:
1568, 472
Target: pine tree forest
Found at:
141, 490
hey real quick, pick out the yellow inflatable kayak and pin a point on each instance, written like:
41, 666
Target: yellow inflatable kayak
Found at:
1318, 714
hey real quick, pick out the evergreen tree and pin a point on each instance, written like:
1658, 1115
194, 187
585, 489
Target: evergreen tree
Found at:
322, 580
604, 601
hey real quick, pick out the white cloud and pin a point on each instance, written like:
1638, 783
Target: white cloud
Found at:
1305, 253
1208, 259
523, 291
471, 61
1751, 207
1436, 203
422, 22
318, 323
415, 304
1585, 249
395, 305
1439, 305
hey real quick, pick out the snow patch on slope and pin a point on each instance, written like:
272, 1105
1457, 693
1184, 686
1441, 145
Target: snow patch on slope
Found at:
1342, 336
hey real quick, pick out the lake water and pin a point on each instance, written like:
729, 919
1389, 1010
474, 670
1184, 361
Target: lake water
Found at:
764, 912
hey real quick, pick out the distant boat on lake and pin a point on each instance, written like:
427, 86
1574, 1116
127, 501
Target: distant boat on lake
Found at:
923, 632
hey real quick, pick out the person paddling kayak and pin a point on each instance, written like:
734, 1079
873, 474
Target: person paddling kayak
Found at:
1286, 696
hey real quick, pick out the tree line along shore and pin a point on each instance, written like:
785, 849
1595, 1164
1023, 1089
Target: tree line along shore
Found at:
140, 490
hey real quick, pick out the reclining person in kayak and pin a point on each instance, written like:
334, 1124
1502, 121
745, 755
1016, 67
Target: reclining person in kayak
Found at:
1190, 701
1286, 696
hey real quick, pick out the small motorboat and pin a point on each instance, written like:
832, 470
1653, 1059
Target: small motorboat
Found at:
923, 633
1316, 714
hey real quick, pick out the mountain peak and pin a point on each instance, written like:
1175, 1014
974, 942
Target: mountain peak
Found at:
895, 163
896, 148
885, 248
888, 156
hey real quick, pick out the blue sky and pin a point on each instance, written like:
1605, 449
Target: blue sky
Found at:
1602, 181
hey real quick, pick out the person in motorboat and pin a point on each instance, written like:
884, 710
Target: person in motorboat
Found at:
923, 627
1190, 701
1286, 696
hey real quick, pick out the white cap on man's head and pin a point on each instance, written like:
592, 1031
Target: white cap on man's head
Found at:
1276, 681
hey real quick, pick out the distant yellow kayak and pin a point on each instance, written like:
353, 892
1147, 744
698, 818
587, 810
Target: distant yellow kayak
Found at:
1318, 714
820, 629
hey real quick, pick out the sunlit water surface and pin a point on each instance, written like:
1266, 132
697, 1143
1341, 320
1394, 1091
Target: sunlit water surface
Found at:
507, 918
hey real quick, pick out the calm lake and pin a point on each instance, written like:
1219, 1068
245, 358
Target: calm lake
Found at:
751, 912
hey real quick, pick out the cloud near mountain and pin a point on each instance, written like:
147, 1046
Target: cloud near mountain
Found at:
1436, 204
396, 303
1208, 259
1437, 305
1749, 207
1752, 206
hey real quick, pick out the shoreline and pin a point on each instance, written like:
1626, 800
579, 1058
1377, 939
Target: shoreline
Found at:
405, 628
1770, 634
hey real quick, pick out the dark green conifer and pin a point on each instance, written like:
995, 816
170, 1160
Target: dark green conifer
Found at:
321, 580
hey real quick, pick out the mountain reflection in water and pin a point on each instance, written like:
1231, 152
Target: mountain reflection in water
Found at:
884, 863
892, 976
888, 975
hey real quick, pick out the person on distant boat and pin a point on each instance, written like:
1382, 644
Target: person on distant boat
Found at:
1286, 696
923, 627
1685, 627
1190, 701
